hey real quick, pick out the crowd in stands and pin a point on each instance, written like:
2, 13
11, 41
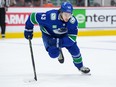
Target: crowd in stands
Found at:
31, 3
51, 3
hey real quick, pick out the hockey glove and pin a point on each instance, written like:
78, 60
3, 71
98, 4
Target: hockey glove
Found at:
60, 30
28, 34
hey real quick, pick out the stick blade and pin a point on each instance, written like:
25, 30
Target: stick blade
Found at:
35, 78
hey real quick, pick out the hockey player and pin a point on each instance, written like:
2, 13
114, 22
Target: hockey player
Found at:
59, 29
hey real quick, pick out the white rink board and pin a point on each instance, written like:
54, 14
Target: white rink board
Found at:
105, 17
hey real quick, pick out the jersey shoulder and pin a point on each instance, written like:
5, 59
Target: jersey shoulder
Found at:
52, 15
46, 15
73, 20
52, 11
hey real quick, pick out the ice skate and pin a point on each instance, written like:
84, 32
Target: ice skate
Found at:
84, 70
61, 58
3, 36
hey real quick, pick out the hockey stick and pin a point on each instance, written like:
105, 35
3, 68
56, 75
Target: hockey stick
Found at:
61, 56
32, 57
61, 59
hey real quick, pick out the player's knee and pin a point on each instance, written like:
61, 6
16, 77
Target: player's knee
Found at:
74, 50
53, 52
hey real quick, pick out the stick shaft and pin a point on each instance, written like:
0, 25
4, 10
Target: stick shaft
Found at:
32, 57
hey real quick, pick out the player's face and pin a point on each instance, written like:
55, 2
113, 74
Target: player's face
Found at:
66, 16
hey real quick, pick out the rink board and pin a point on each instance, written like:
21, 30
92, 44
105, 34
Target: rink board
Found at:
91, 21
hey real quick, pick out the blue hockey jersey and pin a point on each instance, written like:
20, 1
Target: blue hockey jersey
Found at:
50, 21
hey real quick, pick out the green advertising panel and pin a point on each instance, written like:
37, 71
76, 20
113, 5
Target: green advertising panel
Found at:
80, 15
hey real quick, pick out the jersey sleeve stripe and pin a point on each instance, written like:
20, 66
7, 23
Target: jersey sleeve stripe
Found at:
33, 18
72, 37
44, 30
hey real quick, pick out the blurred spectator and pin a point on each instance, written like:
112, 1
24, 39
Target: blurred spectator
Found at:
20, 2
96, 4
80, 2
90, 2
48, 4
36, 2
113, 3
13, 3
93, 3
28, 3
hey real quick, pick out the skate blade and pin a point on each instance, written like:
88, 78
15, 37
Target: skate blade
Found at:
86, 74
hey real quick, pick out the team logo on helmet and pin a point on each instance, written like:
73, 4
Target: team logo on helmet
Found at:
66, 7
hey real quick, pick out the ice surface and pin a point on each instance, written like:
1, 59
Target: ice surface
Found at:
99, 54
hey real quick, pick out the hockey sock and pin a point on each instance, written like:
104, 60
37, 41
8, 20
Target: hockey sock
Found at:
78, 62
